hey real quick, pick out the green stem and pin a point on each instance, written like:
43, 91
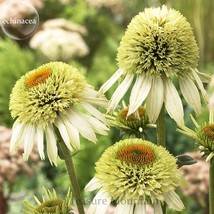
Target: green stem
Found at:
66, 155
161, 138
211, 187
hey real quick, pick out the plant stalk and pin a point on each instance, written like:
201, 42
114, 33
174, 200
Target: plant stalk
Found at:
66, 155
211, 187
161, 137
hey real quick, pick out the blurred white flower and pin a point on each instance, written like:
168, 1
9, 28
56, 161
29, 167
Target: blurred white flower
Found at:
60, 40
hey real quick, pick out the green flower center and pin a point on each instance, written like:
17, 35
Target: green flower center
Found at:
38, 77
158, 41
137, 122
41, 94
50, 206
132, 117
136, 154
209, 132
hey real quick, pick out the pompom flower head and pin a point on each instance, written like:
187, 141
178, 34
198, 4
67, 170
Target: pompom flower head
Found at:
135, 172
158, 45
49, 97
50, 204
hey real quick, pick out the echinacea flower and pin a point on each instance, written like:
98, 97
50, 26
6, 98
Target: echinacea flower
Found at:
50, 204
203, 136
135, 172
158, 45
135, 124
51, 97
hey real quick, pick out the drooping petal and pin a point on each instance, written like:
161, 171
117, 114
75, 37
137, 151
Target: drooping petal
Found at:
174, 201
92, 185
94, 112
89, 95
111, 81
154, 101
16, 137
173, 103
40, 142
63, 132
157, 208
72, 132
190, 93
140, 207
97, 126
100, 203
120, 92
81, 125
139, 92
29, 138
200, 85
204, 77
51, 145
125, 206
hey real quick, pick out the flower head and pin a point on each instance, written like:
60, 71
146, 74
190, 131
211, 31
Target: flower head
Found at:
134, 172
135, 124
50, 204
158, 45
203, 136
49, 97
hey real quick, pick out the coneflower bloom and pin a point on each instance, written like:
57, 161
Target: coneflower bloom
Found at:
134, 173
50, 204
203, 136
55, 95
158, 45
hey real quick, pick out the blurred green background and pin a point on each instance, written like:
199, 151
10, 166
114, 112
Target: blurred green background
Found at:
105, 22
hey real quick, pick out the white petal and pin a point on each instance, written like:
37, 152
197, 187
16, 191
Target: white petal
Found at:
154, 101
72, 132
173, 103
120, 92
96, 101
82, 125
40, 142
63, 132
204, 77
29, 138
173, 201
140, 207
200, 85
97, 126
94, 112
16, 137
125, 206
158, 208
100, 203
111, 81
51, 145
92, 185
190, 93
139, 92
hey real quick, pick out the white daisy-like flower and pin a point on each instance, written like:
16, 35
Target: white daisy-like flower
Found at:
133, 172
54, 96
158, 45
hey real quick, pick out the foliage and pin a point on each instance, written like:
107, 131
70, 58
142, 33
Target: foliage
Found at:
14, 62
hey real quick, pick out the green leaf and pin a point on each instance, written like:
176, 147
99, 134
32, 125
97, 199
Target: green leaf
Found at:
183, 160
